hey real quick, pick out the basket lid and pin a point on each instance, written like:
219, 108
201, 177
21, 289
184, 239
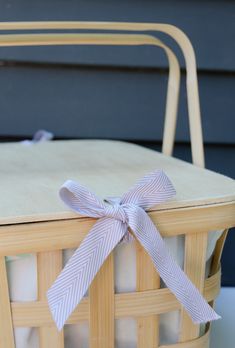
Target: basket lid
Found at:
31, 176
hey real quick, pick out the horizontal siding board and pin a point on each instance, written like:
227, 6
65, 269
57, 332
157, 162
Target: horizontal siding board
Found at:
81, 102
209, 24
108, 103
217, 107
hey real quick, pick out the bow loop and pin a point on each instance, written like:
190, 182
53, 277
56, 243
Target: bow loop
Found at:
81, 200
152, 189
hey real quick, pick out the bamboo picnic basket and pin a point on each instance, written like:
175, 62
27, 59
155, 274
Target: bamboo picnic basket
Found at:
47, 229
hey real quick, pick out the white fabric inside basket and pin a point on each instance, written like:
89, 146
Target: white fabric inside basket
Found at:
76, 336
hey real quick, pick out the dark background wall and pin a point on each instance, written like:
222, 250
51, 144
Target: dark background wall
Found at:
96, 89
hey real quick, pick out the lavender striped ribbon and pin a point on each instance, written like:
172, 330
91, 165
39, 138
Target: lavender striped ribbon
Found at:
114, 219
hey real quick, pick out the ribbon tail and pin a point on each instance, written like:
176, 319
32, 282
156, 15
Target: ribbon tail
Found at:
170, 272
76, 277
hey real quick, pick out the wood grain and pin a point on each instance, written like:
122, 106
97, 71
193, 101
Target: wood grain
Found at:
65, 234
136, 304
101, 308
201, 342
147, 279
49, 265
194, 267
6, 327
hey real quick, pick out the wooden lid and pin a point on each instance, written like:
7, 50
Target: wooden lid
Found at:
31, 177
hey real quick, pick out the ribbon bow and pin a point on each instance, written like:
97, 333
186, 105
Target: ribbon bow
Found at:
114, 219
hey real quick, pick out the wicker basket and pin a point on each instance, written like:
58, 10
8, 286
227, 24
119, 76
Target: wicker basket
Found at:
37, 222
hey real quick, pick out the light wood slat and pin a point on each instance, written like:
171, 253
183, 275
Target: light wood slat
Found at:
43, 236
6, 328
126, 304
170, 222
9, 40
101, 308
194, 267
215, 265
49, 265
201, 342
218, 252
146, 279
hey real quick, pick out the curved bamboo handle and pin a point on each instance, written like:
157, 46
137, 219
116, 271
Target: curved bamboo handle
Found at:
175, 33
115, 39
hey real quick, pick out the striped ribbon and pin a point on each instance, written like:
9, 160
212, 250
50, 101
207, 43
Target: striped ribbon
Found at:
114, 219
40, 136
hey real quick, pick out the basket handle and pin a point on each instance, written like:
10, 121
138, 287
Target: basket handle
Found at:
174, 32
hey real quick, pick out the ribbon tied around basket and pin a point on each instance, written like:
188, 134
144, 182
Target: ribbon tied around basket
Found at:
114, 219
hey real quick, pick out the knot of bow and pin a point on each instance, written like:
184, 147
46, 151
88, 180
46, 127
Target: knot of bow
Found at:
116, 211
114, 219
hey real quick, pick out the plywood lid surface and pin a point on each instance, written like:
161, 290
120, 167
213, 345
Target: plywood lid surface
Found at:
31, 176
